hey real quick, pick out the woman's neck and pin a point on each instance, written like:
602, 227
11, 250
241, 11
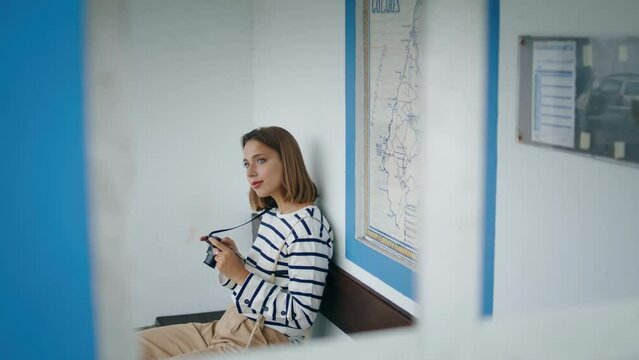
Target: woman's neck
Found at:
286, 207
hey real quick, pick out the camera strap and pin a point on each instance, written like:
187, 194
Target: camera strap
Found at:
242, 224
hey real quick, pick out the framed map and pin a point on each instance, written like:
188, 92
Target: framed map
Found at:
383, 139
390, 125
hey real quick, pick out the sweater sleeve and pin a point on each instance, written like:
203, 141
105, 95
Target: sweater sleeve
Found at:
296, 306
226, 282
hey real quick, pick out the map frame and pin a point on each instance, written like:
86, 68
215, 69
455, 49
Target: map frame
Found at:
395, 278
378, 239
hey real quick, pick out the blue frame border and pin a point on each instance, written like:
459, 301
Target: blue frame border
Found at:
488, 278
387, 270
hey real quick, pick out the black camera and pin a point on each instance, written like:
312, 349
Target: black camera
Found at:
210, 256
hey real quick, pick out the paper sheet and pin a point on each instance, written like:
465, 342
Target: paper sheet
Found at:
554, 75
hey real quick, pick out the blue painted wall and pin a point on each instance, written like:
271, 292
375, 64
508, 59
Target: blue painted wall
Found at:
46, 305
488, 278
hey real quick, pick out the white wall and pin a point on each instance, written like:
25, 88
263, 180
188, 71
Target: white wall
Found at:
298, 75
453, 171
567, 229
188, 100
108, 163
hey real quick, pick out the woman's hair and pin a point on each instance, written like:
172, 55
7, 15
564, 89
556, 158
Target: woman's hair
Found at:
297, 186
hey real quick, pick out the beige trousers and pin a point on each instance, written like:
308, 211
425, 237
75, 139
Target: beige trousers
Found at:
229, 334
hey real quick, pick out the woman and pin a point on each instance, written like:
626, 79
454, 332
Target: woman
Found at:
276, 290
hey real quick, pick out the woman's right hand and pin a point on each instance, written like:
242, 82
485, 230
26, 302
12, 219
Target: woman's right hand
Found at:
229, 262
226, 241
230, 243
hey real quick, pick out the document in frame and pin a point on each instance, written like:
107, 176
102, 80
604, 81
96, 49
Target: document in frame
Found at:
391, 31
554, 76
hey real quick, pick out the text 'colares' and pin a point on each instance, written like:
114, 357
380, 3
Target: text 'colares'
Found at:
385, 6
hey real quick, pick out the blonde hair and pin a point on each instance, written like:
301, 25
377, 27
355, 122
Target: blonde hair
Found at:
297, 185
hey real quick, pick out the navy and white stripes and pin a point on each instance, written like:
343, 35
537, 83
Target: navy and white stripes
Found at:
304, 241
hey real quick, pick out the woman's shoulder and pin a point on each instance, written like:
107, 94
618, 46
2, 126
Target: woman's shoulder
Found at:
306, 211
310, 221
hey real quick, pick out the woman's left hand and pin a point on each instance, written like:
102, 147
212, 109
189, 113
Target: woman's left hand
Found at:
228, 263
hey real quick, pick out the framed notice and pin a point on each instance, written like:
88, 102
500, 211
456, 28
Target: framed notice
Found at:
580, 95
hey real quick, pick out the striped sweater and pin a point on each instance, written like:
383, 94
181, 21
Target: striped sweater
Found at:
291, 304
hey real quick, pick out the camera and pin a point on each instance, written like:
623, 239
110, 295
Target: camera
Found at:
210, 257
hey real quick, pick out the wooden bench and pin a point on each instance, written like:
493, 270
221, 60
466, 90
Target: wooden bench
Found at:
347, 303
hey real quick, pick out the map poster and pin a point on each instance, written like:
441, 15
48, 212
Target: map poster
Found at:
391, 137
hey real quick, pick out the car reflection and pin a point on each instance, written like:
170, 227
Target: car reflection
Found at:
610, 113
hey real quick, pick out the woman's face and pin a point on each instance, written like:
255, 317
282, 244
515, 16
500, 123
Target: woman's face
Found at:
263, 169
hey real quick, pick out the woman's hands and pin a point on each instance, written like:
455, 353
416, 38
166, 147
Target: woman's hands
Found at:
228, 260
230, 243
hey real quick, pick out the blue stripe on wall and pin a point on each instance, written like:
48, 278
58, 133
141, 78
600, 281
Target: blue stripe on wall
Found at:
387, 270
46, 304
491, 158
